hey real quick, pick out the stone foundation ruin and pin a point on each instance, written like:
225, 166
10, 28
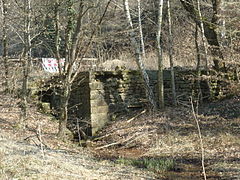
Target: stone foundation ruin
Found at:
98, 97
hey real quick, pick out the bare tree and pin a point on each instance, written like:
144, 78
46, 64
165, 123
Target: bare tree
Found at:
198, 54
170, 51
202, 33
26, 58
140, 29
5, 42
26, 23
210, 29
138, 56
159, 53
57, 34
201, 140
76, 47
198, 59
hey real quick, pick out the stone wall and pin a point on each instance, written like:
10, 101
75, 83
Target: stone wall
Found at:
115, 92
79, 105
99, 97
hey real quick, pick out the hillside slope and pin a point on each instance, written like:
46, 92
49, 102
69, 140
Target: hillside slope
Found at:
174, 134
29, 154
19, 160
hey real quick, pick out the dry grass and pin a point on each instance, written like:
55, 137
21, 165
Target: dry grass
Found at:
127, 59
21, 155
24, 161
173, 133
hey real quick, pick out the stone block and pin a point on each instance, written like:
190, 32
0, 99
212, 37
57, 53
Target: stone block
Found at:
98, 121
98, 102
96, 85
45, 107
99, 109
97, 96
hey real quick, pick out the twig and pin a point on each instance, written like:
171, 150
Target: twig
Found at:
29, 137
102, 137
138, 137
184, 103
39, 136
78, 128
201, 140
108, 145
142, 112
115, 143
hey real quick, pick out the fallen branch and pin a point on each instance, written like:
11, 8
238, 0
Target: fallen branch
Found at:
133, 118
138, 137
108, 145
116, 143
39, 136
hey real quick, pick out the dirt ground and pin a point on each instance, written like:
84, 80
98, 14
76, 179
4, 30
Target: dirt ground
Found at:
36, 153
174, 134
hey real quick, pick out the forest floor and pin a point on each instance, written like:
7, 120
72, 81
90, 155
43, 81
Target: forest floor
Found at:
173, 134
36, 153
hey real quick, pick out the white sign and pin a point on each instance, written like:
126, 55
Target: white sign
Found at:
51, 64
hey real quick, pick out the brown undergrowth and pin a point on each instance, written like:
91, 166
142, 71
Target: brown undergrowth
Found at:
36, 153
173, 134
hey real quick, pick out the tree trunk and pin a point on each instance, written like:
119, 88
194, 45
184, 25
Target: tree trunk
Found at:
26, 57
65, 77
140, 29
72, 39
63, 114
57, 36
5, 44
210, 30
198, 58
198, 54
160, 58
170, 51
139, 61
202, 33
